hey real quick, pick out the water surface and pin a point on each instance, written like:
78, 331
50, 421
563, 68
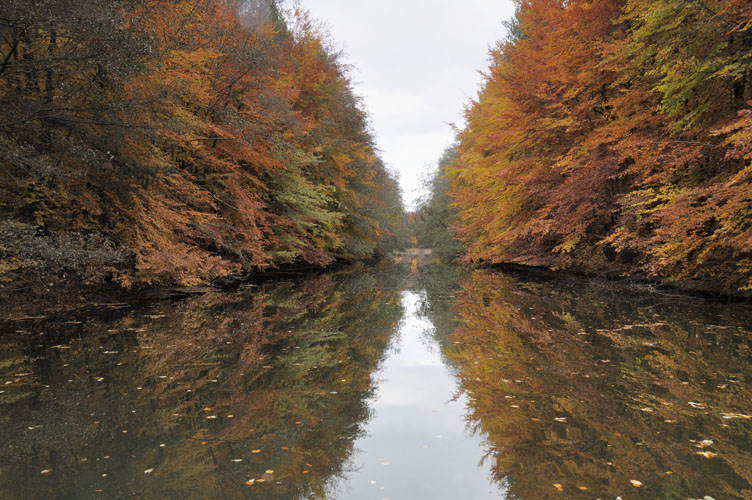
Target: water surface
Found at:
385, 384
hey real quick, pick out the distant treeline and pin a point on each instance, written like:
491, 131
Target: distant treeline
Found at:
615, 137
177, 141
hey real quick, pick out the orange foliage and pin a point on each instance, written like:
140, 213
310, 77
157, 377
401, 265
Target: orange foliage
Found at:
213, 145
612, 137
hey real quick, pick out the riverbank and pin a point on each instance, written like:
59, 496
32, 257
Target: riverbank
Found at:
705, 290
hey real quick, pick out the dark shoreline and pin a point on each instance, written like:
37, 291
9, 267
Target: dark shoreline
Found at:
70, 294
681, 288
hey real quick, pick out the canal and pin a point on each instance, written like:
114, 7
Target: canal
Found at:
395, 382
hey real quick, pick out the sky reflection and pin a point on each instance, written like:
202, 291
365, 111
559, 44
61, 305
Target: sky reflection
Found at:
417, 444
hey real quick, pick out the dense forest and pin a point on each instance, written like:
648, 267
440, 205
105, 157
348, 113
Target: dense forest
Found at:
432, 223
178, 141
614, 137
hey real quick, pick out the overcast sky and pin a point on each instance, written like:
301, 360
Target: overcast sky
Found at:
416, 65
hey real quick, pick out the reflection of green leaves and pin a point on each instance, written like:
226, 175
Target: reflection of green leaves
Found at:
313, 349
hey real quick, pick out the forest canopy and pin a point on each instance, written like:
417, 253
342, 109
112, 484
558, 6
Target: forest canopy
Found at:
178, 141
615, 137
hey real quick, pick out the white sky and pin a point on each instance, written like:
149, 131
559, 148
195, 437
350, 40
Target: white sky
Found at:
416, 65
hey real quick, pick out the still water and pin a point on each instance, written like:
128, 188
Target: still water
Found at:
382, 383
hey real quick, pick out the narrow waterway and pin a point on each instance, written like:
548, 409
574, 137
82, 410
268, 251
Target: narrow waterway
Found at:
416, 444
394, 382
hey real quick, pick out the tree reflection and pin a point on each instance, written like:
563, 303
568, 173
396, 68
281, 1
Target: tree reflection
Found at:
208, 394
588, 391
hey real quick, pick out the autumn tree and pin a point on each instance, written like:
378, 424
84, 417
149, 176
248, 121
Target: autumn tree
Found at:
612, 137
202, 139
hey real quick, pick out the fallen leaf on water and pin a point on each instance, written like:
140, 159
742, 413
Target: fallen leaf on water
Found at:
305, 472
285, 448
255, 451
270, 471
729, 416
583, 488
